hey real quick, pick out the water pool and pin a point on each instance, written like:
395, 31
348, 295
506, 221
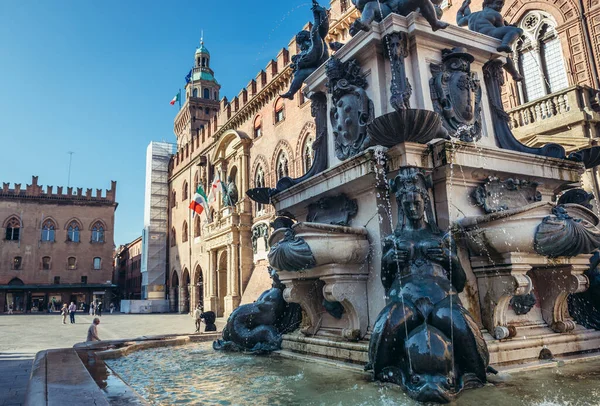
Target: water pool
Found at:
197, 375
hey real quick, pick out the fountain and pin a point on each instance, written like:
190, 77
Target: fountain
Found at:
476, 262
426, 244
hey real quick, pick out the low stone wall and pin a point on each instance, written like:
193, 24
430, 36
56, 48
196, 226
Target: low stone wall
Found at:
71, 376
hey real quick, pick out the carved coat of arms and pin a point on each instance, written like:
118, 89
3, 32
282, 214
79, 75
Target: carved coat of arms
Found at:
456, 94
351, 110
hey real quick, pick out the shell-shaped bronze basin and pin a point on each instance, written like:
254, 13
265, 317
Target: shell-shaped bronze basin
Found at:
410, 125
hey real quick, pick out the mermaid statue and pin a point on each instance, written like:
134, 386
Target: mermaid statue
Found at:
414, 337
258, 327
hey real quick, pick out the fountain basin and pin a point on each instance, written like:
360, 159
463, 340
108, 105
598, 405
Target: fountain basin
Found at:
409, 125
329, 244
515, 230
325, 266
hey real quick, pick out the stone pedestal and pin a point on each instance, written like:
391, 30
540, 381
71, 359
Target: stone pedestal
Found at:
338, 274
496, 250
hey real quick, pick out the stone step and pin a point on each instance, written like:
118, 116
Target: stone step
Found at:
320, 360
325, 348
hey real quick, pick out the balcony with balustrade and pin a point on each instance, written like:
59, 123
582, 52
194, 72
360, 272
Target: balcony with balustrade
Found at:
570, 117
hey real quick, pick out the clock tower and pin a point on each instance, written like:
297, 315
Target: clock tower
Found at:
201, 98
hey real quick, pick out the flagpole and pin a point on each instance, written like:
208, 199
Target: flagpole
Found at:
179, 99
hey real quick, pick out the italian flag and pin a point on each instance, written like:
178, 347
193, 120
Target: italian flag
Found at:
214, 189
175, 99
200, 202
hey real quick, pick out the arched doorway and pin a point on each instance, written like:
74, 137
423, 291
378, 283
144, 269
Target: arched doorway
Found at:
184, 292
222, 283
16, 298
199, 288
174, 292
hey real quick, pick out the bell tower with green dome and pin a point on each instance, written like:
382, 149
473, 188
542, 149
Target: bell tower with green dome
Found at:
201, 98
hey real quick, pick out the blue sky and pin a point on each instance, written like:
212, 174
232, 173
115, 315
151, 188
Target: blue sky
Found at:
96, 78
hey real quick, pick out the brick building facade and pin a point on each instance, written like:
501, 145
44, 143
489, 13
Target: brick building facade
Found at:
254, 139
127, 275
56, 247
257, 138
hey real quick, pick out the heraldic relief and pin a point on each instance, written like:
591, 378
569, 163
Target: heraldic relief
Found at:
456, 94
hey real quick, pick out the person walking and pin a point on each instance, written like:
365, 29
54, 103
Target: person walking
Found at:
198, 318
10, 308
92, 307
99, 309
64, 311
72, 310
92, 334
112, 308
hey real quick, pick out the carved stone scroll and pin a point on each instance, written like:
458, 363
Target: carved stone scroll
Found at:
554, 285
496, 195
396, 47
332, 210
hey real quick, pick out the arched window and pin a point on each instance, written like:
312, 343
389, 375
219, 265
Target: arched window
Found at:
540, 57
73, 231
259, 181
308, 153
206, 94
173, 198
216, 95
196, 181
48, 231
98, 233
184, 232
184, 191
195, 93
173, 237
13, 229
282, 166
206, 111
97, 263
257, 126
197, 227
279, 110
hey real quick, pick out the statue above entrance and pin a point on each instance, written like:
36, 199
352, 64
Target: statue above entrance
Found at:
313, 50
230, 195
377, 10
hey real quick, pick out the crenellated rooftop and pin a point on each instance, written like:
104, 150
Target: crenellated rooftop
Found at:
35, 191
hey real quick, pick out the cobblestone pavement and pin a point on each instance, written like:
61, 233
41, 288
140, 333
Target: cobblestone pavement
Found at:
22, 336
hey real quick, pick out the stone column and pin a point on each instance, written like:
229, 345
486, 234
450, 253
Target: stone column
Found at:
232, 300
210, 290
183, 300
193, 297
172, 297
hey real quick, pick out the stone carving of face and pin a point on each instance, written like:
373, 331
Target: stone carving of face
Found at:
413, 206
